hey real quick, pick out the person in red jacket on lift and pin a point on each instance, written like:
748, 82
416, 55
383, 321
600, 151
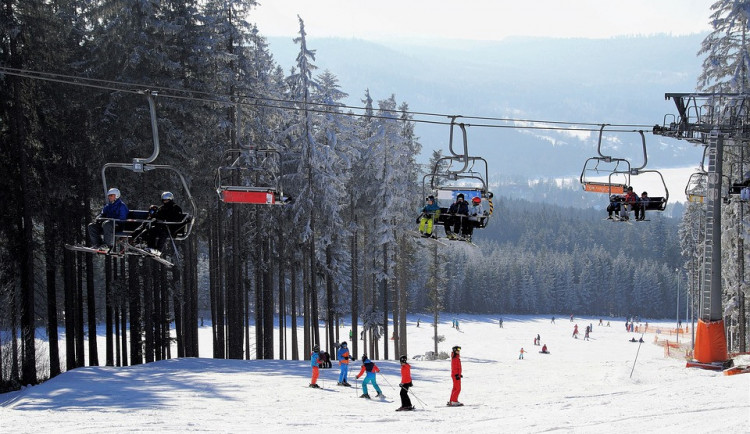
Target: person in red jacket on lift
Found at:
456, 375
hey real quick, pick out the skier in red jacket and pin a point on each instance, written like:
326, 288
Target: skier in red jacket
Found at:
456, 375
405, 384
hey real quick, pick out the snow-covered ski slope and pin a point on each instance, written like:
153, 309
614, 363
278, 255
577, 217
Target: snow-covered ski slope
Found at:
582, 386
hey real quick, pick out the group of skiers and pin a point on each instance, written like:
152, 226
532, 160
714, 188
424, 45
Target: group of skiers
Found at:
460, 219
369, 369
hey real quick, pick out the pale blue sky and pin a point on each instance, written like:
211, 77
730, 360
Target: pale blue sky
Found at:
481, 19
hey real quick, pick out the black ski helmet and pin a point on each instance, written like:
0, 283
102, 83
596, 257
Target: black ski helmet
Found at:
402, 359
316, 348
456, 349
343, 344
364, 357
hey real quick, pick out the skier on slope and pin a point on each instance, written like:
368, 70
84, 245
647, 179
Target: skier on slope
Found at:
456, 376
405, 385
343, 356
371, 369
520, 355
575, 331
314, 361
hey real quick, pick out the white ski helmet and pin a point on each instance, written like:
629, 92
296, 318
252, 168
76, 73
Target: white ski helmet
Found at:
167, 195
114, 191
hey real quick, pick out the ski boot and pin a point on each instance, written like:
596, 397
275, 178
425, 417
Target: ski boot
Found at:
365, 395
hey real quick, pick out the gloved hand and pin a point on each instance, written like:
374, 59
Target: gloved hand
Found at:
400, 384
458, 377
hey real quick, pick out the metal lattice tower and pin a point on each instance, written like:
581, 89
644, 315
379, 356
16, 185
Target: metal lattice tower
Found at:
709, 119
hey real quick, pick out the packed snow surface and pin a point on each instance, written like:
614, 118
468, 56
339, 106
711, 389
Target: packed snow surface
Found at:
582, 386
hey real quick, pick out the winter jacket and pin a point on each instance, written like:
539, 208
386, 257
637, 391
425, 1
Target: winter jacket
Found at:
315, 359
476, 211
169, 212
405, 373
456, 367
115, 210
431, 208
343, 356
631, 197
370, 367
459, 208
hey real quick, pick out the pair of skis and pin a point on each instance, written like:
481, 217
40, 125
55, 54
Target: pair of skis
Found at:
126, 249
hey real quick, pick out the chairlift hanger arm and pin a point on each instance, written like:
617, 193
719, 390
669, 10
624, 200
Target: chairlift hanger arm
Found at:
464, 157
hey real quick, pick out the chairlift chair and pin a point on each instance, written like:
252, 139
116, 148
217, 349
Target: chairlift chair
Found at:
459, 173
138, 220
257, 183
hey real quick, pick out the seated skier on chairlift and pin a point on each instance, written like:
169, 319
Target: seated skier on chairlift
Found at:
458, 212
430, 213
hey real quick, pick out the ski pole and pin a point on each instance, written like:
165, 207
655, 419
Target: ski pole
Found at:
636, 356
415, 396
388, 382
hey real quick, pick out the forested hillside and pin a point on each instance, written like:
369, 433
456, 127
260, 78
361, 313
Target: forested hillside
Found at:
538, 258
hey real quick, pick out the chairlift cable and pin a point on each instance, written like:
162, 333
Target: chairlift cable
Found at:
193, 95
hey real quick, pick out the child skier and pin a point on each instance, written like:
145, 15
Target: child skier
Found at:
456, 376
520, 355
314, 361
405, 385
343, 356
371, 369
428, 217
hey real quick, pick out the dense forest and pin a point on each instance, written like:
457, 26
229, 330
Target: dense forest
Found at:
72, 99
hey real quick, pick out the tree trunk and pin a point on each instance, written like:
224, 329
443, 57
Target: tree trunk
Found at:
355, 289
91, 311
314, 291
80, 356
50, 243
123, 298
192, 348
258, 313
282, 307
385, 289
148, 308
134, 300
330, 315
307, 346
235, 332
293, 306
108, 302
70, 324
268, 301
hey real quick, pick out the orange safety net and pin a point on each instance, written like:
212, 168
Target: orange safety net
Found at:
710, 342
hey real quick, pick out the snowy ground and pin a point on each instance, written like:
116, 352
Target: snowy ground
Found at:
582, 386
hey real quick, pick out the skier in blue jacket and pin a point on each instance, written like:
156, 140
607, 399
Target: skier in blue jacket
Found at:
115, 209
343, 356
428, 217
371, 369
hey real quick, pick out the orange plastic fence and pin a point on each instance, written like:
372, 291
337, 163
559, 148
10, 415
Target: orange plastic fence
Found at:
710, 342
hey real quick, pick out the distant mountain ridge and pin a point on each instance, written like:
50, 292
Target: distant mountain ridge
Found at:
616, 81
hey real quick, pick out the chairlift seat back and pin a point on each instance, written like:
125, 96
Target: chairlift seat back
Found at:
249, 195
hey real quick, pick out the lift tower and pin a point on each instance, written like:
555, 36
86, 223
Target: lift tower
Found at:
710, 119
